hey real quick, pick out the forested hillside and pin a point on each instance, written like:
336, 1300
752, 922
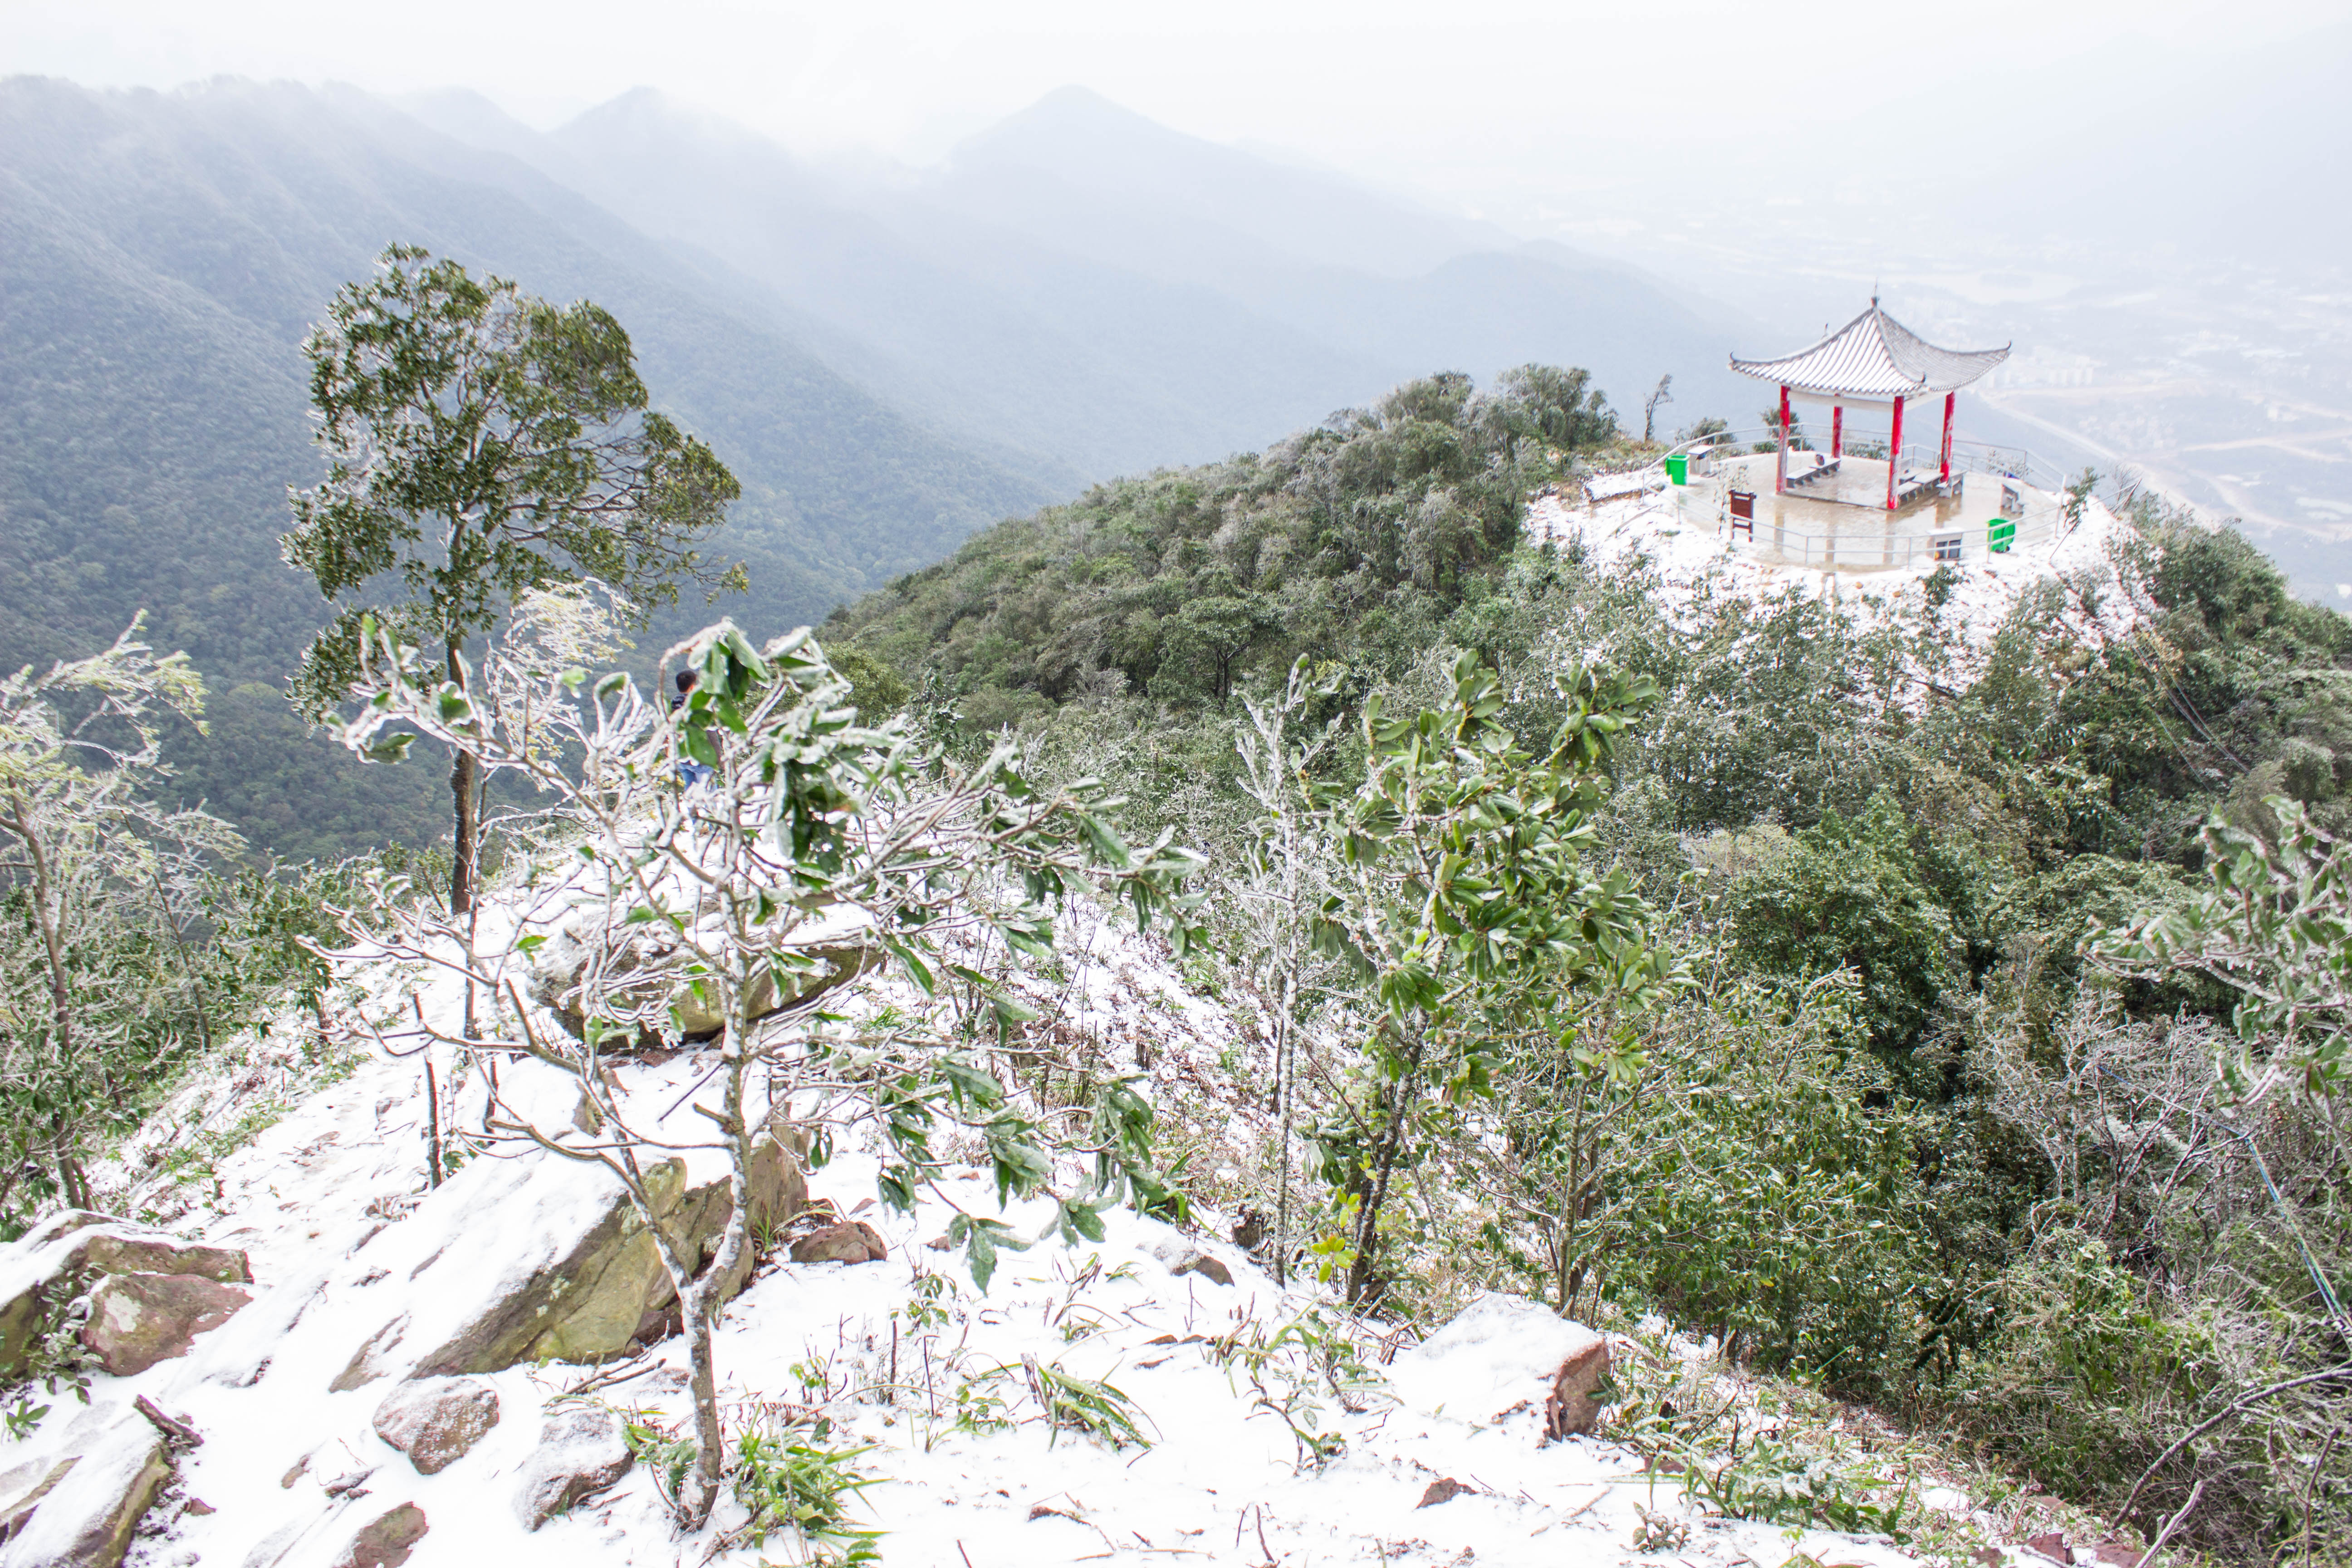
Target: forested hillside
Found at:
1940, 1025
884, 367
1358, 539
1919, 1131
163, 255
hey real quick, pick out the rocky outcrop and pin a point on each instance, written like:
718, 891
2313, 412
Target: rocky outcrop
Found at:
137, 1319
853, 1241
1503, 1356
374, 1359
436, 1421
558, 962
596, 1296
86, 1516
18, 1512
385, 1541
56, 1261
1573, 1406
579, 1453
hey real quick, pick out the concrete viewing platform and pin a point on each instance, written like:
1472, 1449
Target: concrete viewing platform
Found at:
1831, 516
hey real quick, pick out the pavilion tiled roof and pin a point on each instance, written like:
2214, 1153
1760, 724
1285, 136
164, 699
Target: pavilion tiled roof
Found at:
1873, 356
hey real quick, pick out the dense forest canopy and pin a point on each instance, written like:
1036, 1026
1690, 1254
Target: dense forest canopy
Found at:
1366, 531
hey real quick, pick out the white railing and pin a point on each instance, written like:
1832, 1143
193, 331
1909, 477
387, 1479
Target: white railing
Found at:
1962, 542
2031, 510
1967, 456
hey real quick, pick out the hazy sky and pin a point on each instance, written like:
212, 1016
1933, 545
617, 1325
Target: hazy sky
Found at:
1468, 96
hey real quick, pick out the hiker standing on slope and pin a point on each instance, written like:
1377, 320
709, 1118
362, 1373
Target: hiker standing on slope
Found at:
690, 772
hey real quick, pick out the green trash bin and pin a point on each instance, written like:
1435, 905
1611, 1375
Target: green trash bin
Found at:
1678, 468
1999, 534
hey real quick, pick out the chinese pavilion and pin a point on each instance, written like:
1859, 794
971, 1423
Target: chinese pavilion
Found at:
1873, 362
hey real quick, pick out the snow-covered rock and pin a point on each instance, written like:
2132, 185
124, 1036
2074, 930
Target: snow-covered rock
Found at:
1500, 1356
86, 1520
386, 1540
436, 1421
579, 1453
560, 1266
852, 1241
137, 1319
67, 1248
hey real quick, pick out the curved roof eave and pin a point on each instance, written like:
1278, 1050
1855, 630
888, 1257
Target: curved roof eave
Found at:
1873, 356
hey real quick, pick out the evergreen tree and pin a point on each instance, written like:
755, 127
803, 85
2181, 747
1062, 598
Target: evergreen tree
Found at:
481, 443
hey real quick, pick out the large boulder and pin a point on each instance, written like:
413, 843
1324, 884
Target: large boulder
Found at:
89, 1513
557, 964
579, 1453
597, 1291
137, 1319
57, 1259
1504, 1354
436, 1421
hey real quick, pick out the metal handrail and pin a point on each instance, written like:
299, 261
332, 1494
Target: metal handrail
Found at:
1974, 457
1864, 547
1961, 542
1876, 541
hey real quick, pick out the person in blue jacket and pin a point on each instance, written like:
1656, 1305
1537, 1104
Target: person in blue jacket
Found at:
690, 772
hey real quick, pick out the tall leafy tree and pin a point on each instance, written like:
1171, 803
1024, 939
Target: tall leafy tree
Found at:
481, 443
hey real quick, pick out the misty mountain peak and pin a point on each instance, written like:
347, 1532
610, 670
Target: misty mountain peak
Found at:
647, 113
1080, 135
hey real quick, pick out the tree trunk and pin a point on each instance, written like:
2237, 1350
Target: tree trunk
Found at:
699, 1303
698, 1490
72, 1186
48, 910
1364, 1283
702, 1489
462, 778
432, 1125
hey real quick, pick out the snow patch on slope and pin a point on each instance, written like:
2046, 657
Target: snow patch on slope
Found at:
1696, 568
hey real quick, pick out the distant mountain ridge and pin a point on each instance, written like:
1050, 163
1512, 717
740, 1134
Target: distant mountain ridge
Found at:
888, 362
1130, 296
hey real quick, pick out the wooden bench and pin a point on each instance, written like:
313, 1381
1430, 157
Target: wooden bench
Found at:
1915, 484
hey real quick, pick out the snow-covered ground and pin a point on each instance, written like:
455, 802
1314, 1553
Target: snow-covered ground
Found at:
1221, 1480
329, 1205
1696, 567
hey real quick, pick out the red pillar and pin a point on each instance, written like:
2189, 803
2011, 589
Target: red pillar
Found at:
1780, 472
1895, 455
1949, 398
1837, 431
